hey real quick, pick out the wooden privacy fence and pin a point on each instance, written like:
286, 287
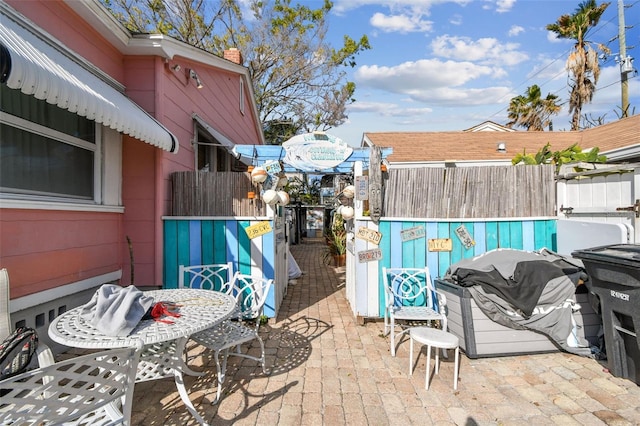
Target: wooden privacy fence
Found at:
470, 192
214, 194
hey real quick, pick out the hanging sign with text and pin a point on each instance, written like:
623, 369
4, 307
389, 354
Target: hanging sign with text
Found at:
369, 235
369, 255
258, 229
465, 238
362, 188
412, 233
440, 244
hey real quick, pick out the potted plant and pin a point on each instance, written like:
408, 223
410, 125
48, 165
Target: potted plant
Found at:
336, 239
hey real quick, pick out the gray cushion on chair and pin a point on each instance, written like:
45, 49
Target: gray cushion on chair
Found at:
116, 310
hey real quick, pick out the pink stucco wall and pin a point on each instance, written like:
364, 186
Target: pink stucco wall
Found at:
81, 245
44, 249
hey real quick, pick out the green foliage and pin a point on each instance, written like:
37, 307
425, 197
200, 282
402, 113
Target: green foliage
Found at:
335, 238
582, 63
303, 191
571, 154
531, 111
299, 80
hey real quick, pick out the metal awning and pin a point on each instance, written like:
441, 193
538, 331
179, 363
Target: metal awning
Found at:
35, 67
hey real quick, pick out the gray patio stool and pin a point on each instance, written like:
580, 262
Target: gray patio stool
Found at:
439, 339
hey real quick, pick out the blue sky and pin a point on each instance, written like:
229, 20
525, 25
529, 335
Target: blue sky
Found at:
440, 65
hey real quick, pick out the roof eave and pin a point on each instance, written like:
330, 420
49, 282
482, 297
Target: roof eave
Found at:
94, 13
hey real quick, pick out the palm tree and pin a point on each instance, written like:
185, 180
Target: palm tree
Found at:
582, 63
531, 111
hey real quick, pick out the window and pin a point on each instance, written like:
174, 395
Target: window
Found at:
212, 156
45, 150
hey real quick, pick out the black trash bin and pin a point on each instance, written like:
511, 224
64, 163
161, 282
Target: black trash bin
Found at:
614, 273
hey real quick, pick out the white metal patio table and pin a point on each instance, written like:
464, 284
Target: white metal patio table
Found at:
164, 342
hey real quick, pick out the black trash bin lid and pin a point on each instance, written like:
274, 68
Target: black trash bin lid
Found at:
618, 254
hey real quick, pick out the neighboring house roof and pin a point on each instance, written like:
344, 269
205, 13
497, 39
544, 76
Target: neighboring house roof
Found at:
461, 146
489, 126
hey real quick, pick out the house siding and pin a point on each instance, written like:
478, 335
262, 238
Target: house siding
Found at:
86, 245
46, 249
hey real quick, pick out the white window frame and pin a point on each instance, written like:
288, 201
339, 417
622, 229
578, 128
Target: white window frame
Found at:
107, 160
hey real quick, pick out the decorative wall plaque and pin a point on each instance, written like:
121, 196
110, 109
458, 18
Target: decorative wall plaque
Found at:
369, 235
258, 229
440, 244
412, 233
369, 255
465, 237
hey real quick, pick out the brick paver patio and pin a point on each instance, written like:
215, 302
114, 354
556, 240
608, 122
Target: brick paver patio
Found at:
328, 370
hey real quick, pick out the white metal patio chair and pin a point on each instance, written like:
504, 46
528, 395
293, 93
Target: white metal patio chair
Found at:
43, 352
216, 276
251, 294
95, 389
410, 297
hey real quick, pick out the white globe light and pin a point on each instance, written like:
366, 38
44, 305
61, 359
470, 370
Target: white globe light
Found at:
270, 197
284, 198
347, 212
349, 191
258, 174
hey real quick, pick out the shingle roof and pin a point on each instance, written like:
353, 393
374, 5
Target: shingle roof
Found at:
477, 146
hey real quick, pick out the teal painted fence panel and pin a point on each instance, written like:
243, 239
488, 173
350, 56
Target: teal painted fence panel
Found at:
198, 241
520, 235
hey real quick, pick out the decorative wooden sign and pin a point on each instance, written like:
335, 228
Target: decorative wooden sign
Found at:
412, 233
465, 237
258, 229
375, 184
316, 151
440, 244
362, 187
369, 235
369, 255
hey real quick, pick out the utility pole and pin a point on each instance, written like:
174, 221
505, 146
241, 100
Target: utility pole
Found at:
625, 62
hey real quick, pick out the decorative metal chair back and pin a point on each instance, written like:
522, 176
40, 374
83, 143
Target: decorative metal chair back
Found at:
410, 297
251, 293
216, 277
409, 287
88, 389
44, 354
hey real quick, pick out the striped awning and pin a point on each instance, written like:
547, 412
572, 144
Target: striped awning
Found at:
36, 68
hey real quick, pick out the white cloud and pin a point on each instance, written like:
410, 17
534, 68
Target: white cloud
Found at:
503, 6
553, 37
465, 97
418, 6
456, 20
433, 81
425, 73
548, 69
379, 107
515, 30
483, 50
400, 23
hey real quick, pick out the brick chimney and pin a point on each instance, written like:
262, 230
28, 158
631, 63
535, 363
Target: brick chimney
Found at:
233, 55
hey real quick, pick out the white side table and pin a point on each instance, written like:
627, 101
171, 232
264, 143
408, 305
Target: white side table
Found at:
439, 339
